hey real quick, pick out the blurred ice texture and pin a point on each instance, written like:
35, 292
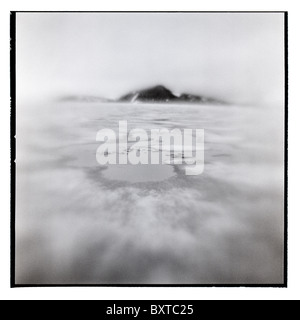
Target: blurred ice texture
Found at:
76, 224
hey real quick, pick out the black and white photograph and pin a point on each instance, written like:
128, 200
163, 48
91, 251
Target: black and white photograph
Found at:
150, 149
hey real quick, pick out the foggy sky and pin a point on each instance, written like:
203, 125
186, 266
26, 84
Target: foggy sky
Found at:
236, 57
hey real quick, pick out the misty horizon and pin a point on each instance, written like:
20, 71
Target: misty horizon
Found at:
177, 97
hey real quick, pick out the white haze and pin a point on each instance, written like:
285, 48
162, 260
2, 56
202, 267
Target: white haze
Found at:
236, 57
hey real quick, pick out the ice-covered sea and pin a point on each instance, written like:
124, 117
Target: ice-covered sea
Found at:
81, 223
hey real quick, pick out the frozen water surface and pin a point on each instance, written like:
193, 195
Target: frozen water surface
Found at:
80, 223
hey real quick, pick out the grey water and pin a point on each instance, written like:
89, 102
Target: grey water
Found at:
81, 223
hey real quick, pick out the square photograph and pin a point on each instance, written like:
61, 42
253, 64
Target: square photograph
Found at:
149, 148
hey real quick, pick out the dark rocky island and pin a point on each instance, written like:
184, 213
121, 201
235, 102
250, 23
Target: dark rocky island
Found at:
161, 94
154, 94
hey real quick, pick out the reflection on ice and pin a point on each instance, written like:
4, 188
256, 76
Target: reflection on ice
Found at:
138, 173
